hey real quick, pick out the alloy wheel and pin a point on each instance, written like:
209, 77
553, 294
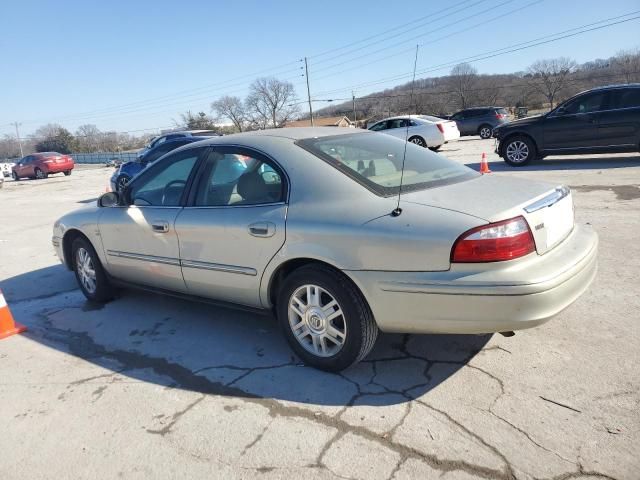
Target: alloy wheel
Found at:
317, 321
485, 132
122, 182
517, 151
86, 270
417, 141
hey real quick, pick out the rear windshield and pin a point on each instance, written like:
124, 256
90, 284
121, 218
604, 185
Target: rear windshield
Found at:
429, 118
375, 161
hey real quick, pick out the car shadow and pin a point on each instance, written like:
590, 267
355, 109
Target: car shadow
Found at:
179, 344
565, 163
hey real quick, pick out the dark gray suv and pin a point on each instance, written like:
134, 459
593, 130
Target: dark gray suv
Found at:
602, 120
480, 120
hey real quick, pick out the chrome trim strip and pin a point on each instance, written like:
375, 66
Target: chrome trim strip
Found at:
555, 196
144, 258
208, 207
588, 148
219, 267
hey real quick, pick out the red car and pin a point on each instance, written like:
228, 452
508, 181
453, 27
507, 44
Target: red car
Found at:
41, 165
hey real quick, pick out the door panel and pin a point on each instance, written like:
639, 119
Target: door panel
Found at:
233, 226
221, 257
620, 125
139, 239
575, 125
141, 245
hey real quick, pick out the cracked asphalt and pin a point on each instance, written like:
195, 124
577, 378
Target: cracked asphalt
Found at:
154, 387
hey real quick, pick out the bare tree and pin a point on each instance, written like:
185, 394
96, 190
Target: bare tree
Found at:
232, 109
550, 76
270, 102
626, 63
88, 138
462, 80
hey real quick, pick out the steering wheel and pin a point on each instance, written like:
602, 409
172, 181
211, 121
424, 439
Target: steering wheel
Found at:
169, 185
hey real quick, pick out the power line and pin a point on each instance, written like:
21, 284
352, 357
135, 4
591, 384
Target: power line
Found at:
503, 51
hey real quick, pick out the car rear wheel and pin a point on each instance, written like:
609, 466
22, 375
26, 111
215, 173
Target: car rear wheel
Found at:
436, 148
518, 151
91, 276
485, 131
15, 176
67, 173
418, 141
325, 318
40, 175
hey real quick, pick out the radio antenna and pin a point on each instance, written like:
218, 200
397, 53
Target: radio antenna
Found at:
397, 211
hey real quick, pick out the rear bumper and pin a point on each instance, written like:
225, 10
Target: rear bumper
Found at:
494, 297
59, 167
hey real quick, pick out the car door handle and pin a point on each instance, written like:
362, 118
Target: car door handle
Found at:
262, 229
160, 227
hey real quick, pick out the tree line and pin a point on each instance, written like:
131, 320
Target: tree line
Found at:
271, 103
541, 87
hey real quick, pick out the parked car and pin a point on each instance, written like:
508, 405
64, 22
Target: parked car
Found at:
308, 228
601, 120
1, 181
480, 120
160, 139
5, 168
126, 171
41, 165
424, 130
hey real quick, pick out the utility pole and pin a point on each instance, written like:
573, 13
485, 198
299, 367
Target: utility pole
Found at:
306, 70
353, 97
16, 124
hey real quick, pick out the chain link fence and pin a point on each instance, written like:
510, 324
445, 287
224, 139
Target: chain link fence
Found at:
103, 157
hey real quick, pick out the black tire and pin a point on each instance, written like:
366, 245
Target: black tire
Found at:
485, 131
15, 176
418, 141
103, 291
67, 173
40, 175
360, 326
435, 149
121, 182
518, 151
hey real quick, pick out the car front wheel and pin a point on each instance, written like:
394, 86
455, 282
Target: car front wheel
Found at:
15, 176
67, 173
122, 182
91, 276
518, 151
325, 318
40, 175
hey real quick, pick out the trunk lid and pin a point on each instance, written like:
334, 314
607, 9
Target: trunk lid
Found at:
548, 208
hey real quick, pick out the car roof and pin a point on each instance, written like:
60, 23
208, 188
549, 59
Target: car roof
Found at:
613, 87
291, 133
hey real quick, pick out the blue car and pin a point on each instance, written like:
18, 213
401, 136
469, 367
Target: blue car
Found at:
127, 171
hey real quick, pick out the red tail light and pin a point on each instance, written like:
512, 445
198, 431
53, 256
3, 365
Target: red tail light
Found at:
500, 116
440, 127
495, 242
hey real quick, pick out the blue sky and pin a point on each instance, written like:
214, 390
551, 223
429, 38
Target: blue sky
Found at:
138, 64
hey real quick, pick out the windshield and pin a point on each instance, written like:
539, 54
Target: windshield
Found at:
375, 161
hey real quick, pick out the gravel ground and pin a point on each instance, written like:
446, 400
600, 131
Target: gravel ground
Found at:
154, 387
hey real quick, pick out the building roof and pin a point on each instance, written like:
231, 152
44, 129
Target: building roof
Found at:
320, 122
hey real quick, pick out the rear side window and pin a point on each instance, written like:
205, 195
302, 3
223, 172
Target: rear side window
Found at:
626, 98
379, 126
375, 161
502, 111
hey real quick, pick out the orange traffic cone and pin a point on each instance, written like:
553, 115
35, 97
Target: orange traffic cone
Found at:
8, 326
484, 166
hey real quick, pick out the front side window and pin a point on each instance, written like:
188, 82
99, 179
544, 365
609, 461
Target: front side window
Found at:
375, 161
235, 176
164, 184
586, 104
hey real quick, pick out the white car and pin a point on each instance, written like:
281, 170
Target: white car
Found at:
5, 169
424, 130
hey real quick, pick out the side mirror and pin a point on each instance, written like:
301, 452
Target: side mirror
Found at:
109, 199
